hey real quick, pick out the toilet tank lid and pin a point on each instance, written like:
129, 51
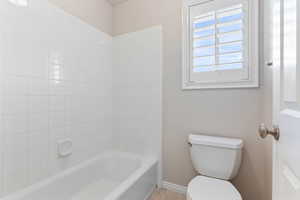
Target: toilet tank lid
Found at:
214, 141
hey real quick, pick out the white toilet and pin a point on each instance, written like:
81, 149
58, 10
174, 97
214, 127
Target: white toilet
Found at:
218, 160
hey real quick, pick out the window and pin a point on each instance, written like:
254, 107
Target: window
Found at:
220, 44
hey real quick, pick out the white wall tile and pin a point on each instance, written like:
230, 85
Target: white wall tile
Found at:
16, 123
39, 122
61, 86
15, 105
56, 71
15, 162
49, 81
137, 91
56, 120
57, 103
39, 154
39, 86
14, 85
2, 143
56, 87
38, 104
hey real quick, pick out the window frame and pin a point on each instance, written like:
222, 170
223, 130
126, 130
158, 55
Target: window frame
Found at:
252, 57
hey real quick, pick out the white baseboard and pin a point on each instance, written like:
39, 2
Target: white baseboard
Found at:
173, 187
149, 194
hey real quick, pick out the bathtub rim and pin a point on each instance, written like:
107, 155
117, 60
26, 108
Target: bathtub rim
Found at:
146, 163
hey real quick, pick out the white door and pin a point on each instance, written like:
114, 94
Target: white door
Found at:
286, 99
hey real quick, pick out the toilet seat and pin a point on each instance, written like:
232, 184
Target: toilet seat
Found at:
204, 188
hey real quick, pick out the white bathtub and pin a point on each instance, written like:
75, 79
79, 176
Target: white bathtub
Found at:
111, 176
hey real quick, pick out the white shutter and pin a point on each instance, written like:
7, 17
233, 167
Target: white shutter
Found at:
218, 42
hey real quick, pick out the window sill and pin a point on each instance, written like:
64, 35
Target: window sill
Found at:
236, 85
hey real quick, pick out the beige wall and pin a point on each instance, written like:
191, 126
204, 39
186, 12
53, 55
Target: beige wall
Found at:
230, 112
95, 12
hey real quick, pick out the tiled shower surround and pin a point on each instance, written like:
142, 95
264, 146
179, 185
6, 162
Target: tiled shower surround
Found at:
63, 80
55, 84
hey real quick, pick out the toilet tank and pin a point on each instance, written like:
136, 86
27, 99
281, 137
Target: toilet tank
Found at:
216, 157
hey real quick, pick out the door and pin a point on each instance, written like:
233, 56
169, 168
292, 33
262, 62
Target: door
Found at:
286, 99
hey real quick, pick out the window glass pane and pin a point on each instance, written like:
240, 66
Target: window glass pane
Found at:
209, 51
204, 61
233, 47
219, 67
203, 69
227, 26
204, 33
204, 21
236, 7
230, 58
203, 24
230, 66
229, 16
204, 42
230, 37
230, 27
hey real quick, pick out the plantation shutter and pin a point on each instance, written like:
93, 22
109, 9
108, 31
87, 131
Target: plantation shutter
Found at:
219, 41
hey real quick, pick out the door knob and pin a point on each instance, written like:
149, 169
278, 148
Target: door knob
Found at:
264, 132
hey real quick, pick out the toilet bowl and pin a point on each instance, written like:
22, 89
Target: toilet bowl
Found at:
205, 188
218, 160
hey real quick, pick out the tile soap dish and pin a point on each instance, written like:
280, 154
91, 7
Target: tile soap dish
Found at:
64, 147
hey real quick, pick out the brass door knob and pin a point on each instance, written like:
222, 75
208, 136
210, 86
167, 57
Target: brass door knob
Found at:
264, 132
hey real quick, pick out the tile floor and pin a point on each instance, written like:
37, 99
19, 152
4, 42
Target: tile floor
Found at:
163, 194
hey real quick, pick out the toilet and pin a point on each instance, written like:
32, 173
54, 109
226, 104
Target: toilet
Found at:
218, 160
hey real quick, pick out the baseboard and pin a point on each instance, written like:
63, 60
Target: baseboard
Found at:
173, 187
150, 193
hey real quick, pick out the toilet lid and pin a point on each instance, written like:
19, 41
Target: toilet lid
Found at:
204, 188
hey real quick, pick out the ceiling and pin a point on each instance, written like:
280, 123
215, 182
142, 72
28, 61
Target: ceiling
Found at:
115, 2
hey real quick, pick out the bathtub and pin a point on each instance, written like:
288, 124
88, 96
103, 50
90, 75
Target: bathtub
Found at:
111, 176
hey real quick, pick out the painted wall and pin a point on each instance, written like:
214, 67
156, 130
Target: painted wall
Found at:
95, 12
231, 112
55, 72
